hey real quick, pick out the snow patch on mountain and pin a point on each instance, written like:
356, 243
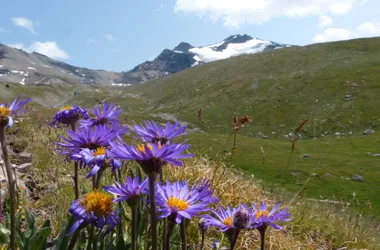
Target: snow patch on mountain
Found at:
209, 53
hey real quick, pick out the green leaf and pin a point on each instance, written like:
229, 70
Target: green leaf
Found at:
19, 241
63, 240
31, 228
38, 241
4, 234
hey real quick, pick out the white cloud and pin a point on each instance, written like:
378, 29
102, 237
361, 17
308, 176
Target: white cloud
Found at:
368, 29
235, 13
49, 49
332, 34
24, 23
109, 37
325, 21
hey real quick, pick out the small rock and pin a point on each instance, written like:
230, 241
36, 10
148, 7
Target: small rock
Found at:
354, 84
314, 175
327, 175
347, 97
24, 168
369, 153
358, 178
376, 155
25, 155
260, 135
306, 156
295, 173
368, 131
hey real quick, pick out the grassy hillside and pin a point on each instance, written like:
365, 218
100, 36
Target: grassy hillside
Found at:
333, 85
280, 89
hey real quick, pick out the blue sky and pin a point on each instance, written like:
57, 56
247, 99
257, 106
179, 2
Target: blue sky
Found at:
119, 34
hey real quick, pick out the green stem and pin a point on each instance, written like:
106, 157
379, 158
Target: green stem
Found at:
234, 145
165, 220
11, 187
117, 176
183, 234
134, 226
234, 239
94, 240
262, 230
98, 177
74, 239
171, 225
90, 230
203, 240
76, 184
153, 220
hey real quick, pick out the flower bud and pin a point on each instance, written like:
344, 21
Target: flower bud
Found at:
241, 219
202, 225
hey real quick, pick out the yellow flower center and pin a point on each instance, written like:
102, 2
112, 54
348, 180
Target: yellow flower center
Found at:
5, 112
100, 151
261, 213
228, 221
141, 147
66, 108
97, 202
175, 202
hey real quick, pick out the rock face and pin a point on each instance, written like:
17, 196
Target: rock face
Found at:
18, 66
184, 56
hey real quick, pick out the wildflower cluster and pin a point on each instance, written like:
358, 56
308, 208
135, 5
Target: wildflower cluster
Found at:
97, 144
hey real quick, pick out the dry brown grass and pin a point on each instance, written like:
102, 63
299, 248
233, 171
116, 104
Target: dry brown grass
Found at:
314, 225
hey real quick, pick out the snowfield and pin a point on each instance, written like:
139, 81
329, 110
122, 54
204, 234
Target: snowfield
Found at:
209, 53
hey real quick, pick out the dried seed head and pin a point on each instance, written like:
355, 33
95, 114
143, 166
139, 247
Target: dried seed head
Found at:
245, 119
241, 219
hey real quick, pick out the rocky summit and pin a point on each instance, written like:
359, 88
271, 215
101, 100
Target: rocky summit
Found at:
18, 66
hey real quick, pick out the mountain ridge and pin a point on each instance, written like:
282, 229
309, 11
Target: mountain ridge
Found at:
18, 66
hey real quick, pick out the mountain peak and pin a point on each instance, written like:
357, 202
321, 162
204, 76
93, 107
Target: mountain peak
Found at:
183, 47
238, 38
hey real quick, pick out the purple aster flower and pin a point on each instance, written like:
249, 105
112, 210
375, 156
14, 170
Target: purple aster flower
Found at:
96, 159
108, 115
132, 189
91, 138
69, 115
151, 156
94, 208
261, 217
178, 201
205, 193
216, 244
154, 133
223, 218
6, 119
